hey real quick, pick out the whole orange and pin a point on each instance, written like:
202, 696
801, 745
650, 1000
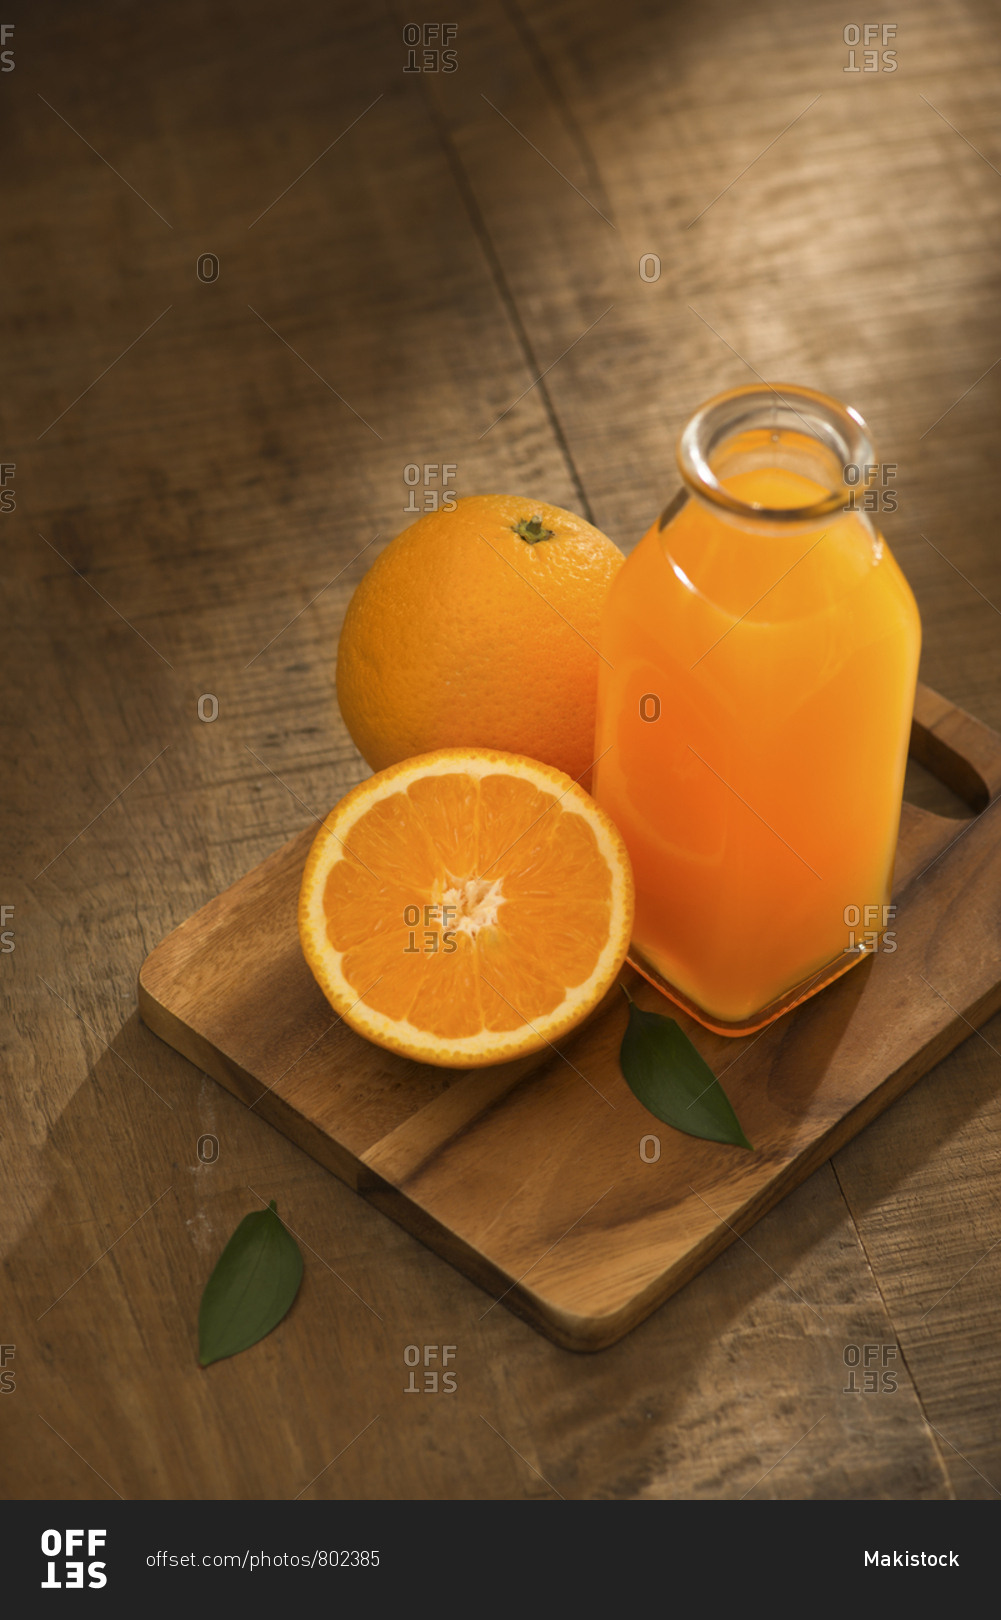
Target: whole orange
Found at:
478, 627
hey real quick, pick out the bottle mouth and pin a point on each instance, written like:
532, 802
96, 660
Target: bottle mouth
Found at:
778, 425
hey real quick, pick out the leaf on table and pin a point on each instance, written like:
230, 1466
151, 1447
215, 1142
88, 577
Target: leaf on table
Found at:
669, 1077
255, 1280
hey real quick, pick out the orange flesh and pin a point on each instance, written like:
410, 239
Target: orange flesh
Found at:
468, 903
765, 799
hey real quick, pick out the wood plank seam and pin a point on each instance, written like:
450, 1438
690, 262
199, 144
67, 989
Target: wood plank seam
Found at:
481, 231
912, 1378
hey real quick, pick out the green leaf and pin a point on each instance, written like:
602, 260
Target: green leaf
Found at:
256, 1278
665, 1072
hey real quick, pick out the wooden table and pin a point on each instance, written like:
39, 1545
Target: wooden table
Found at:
420, 268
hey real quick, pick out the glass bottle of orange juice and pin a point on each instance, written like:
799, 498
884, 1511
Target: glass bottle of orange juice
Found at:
759, 653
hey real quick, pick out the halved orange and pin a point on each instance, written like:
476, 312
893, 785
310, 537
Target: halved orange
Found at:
466, 907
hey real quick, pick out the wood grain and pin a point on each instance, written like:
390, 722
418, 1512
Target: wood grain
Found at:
431, 265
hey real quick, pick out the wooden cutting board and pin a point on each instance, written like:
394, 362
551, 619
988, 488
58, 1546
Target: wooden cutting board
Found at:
545, 1180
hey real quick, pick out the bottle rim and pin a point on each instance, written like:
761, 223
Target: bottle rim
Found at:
839, 428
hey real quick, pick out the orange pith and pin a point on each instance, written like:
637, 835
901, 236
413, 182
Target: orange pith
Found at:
466, 907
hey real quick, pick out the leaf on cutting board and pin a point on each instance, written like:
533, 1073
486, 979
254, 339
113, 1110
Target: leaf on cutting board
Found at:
669, 1077
255, 1280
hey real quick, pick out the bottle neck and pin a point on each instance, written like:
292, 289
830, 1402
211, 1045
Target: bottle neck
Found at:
774, 459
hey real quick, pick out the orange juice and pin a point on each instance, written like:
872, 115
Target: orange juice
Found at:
756, 687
